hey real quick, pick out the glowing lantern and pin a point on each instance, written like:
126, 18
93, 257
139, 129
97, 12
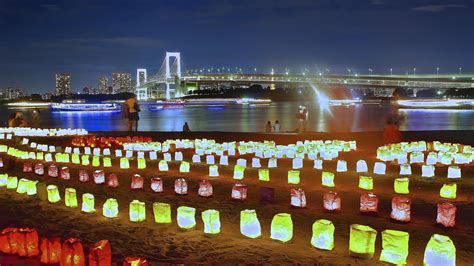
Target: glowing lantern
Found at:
22, 186
99, 176
95, 161
368, 203
137, 182
361, 166
427, 170
118, 153
242, 162
401, 185
394, 247
212, 224
135, 261
88, 203
196, 158
210, 159
40, 156
205, 189
366, 182
156, 184
39, 169
83, 176
448, 191
27, 242
263, 174
239, 172
72, 253
440, 250
70, 199
129, 154
323, 234
107, 162
50, 250
256, 163
362, 241
332, 201
184, 167
401, 209
180, 186
239, 192
162, 213
137, 211
432, 158
64, 173
249, 224
85, 160
53, 194
454, 172
297, 163
112, 181
282, 227
141, 163
380, 168
298, 198
110, 208
293, 177
266, 194
75, 158
153, 155
327, 179
27, 167
124, 163
58, 157
405, 169
3, 180
341, 166
178, 156
8, 241
100, 254
213, 170
163, 166
272, 163
446, 214
53, 171
186, 219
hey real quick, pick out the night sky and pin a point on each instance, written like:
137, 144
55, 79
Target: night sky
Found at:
90, 38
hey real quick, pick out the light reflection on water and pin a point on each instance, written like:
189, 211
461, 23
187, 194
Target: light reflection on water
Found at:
246, 118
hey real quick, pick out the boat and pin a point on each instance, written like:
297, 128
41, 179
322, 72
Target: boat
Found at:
83, 106
436, 104
211, 101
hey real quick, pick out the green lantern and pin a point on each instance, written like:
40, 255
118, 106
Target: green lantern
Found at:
239, 172
327, 179
362, 241
401, 185
394, 247
3, 180
294, 177
53, 193
141, 163
110, 208
12, 182
88, 203
249, 224
162, 213
186, 217
366, 182
184, 167
70, 199
137, 211
323, 235
263, 174
212, 224
440, 250
107, 161
95, 161
448, 191
282, 227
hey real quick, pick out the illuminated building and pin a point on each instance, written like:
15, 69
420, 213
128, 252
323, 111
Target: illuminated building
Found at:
103, 85
63, 84
122, 82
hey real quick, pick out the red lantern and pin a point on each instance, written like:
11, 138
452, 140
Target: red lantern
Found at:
100, 254
180, 186
8, 242
332, 201
112, 181
137, 182
39, 169
64, 173
72, 253
298, 198
99, 176
83, 176
446, 214
28, 242
27, 167
369, 203
156, 184
239, 192
205, 189
401, 209
267, 194
53, 171
50, 250
135, 261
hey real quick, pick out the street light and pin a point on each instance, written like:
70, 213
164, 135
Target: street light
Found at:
370, 71
255, 69
391, 72
273, 71
349, 71
460, 70
414, 71
437, 70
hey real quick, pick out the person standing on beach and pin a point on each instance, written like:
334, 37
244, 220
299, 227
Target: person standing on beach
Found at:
276, 127
268, 128
35, 118
186, 127
131, 112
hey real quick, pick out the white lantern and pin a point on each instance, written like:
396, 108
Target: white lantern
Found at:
405, 169
256, 163
178, 156
210, 159
224, 160
196, 158
379, 168
341, 166
427, 170
454, 172
318, 164
242, 162
167, 157
361, 166
272, 163
297, 163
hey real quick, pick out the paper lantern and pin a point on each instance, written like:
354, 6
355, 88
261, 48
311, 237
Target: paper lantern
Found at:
242, 162
27, 167
129, 154
454, 172
53, 194
70, 199
432, 158
156, 184
137, 211
163, 166
380, 168
323, 234
178, 156
141, 163
369, 203
3, 180
72, 253
427, 170
362, 241
124, 163
401, 185
136, 182
88, 203
22, 186
213, 170
12, 182
440, 250
297, 163
99, 176
239, 172
239, 192
75, 158
100, 254
1, 159
53, 171
224, 160
448, 191
95, 161
210, 159
318, 164
267, 194
8, 240
110, 208
298, 198
196, 158
282, 227
112, 180
186, 217
211, 221
401, 209
341, 166
405, 169
256, 163
153, 155
64, 173
446, 214
135, 261
58, 157
162, 213
263, 174
85, 160
180, 186
327, 179
294, 177
50, 250
83, 176
205, 189
28, 243
107, 162
39, 169
249, 224
184, 167
366, 182
394, 247
361, 166
332, 201
272, 163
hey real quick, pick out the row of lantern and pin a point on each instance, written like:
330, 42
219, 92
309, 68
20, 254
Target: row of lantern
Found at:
25, 242
39, 132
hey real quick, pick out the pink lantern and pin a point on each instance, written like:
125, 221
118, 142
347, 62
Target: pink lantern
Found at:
446, 214
27, 167
267, 194
239, 192
83, 176
137, 182
205, 189
64, 173
180, 186
369, 203
298, 198
112, 181
156, 184
401, 209
332, 201
99, 176
39, 169
53, 171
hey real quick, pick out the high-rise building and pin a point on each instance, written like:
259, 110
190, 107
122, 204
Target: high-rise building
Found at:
122, 82
11, 93
63, 84
103, 85
141, 77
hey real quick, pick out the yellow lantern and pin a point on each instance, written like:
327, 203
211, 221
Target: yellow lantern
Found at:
110, 208
31, 188
394, 247
162, 213
85, 160
401, 185
249, 224
186, 219
88, 203
327, 179
124, 163
137, 211
58, 157
163, 166
95, 161
65, 158
22, 186
75, 158
12, 182
294, 177
3, 180
53, 194
184, 167
239, 172
40, 156
323, 235
448, 191
282, 227
141, 163
212, 224
362, 241
70, 199
107, 161
263, 174
440, 250
366, 182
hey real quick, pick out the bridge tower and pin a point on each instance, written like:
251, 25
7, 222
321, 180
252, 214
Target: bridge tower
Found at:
169, 77
141, 90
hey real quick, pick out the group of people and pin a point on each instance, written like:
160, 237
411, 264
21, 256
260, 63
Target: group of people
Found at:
17, 119
275, 128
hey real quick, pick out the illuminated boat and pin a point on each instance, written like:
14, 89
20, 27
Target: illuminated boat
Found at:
82, 106
211, 101
437, 104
